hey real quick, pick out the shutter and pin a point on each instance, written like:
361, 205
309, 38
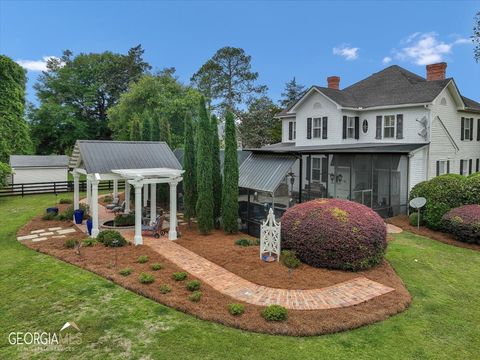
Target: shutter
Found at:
448, 166
309, 167
471, 129
324, 169
325, 127
379, 128
478, 165
462, 135
461, 167
290, 130
470, 166
344, 134
400, 126
438, 168
357, 127
309, 128
478, 129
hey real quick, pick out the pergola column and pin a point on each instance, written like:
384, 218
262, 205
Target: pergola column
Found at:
94, 208
138, 214
89, 192
153, 202
76, 195
172, 233
115, 188
145, 196
127, 197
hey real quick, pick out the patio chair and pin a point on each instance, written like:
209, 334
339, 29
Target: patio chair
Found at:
113, 204
156, 227
119, 209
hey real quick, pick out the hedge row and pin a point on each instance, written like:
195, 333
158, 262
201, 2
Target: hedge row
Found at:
464, 223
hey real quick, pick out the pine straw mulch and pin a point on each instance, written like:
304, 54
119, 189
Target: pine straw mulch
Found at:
213, 305
402, 222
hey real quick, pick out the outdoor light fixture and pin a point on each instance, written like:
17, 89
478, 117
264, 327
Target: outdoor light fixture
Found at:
332, 176
339, 178
292, 178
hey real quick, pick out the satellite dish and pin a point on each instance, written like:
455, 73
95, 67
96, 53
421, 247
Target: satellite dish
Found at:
418, 202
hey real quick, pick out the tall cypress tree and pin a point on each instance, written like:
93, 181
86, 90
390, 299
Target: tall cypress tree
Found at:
165, 134
204, 208
216, 172
189, 180
230, 178
135, 132
155, 129
146, 128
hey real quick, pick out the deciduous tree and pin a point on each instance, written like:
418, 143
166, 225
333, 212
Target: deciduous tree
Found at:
476, 37
146, 128
230, 178
135, 132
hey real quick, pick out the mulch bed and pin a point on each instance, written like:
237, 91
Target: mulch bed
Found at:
213, 305
402, 222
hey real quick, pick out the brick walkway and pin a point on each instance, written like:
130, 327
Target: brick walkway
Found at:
344, 294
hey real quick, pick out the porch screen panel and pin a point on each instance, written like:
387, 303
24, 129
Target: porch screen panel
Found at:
362, 191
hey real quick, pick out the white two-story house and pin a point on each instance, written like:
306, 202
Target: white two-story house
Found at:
370, 142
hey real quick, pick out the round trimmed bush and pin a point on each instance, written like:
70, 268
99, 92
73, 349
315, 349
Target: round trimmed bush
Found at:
275, 313
464, 223
413, 219
107, 238
472, 189
335, 234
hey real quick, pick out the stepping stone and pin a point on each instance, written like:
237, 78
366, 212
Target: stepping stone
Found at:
37, 231
55, 228
58, 236
46, 234
27, 237
40, 239
66, 231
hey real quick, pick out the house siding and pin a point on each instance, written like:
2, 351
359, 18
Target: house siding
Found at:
35, 175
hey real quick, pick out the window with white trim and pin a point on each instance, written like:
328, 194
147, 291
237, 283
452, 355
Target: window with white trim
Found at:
316, 169
464, 167
389, 126
317, 127
467, 130
442, 167
350, 127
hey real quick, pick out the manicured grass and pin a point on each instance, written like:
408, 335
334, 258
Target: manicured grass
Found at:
40, 293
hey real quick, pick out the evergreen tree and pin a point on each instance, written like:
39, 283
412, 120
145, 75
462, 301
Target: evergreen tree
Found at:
216, 172
135, 133
189, 180
146, 128
204, 208
476, 38
293, 92
165, 134
155, 129
230, 178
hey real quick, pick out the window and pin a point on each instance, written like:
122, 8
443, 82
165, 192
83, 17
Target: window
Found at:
365, 126
317, 127
442, 167
292, 130
464, 167
350, 127
467, 129
316, 169
389, 126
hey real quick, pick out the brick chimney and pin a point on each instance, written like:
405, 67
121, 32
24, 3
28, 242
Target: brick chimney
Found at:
333, 82
436, 71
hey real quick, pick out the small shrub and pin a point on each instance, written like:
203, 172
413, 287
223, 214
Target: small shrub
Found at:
289, 259
124, 220
165, 289
179, 276
413, 219
463, 223
67, 215
65, 201
236, 309
71, 243
193, 285
195, 296
145, 278
49, 216
247, 242
472, 189
107, 199
125, 272
156, 266
107, 238
89, 242
275, 313
142, 259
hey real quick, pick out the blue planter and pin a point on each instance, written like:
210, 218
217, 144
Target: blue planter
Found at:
78, 216
89, 226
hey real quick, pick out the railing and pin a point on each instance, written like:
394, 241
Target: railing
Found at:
55, 187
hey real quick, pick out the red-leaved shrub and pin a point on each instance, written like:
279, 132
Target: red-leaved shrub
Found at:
335, 233
464, 223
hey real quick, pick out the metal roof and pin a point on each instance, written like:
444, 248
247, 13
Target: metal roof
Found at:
17, 161
376, 148
265, 172
101, 156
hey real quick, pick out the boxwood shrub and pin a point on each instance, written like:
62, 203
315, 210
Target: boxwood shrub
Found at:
236, 309
335, 234
464, 223
275, 313
107, 238
124, 219
290, 259
145, 278
193, 285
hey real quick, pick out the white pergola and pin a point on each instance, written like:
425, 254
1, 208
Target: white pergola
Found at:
140, 179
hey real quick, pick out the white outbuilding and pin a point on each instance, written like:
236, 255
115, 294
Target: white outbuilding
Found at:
27, 169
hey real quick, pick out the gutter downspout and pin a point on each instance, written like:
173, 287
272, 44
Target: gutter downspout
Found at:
427, 165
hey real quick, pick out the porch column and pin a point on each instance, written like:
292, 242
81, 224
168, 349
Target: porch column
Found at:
153, 202
115, 188
94, 208
138, 214
127, 197
145, 195
172, 233
89, 192
76, 195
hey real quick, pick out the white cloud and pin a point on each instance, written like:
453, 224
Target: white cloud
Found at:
426, 48
36, 65
387, 60
349, 53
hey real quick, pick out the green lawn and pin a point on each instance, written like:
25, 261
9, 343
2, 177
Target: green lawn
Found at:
40, 293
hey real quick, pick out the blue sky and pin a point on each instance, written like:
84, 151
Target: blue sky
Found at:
308, 40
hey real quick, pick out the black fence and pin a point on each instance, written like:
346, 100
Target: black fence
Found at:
55, 187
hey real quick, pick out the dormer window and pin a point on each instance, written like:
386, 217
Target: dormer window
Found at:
317, 127
389, 126
292, 130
